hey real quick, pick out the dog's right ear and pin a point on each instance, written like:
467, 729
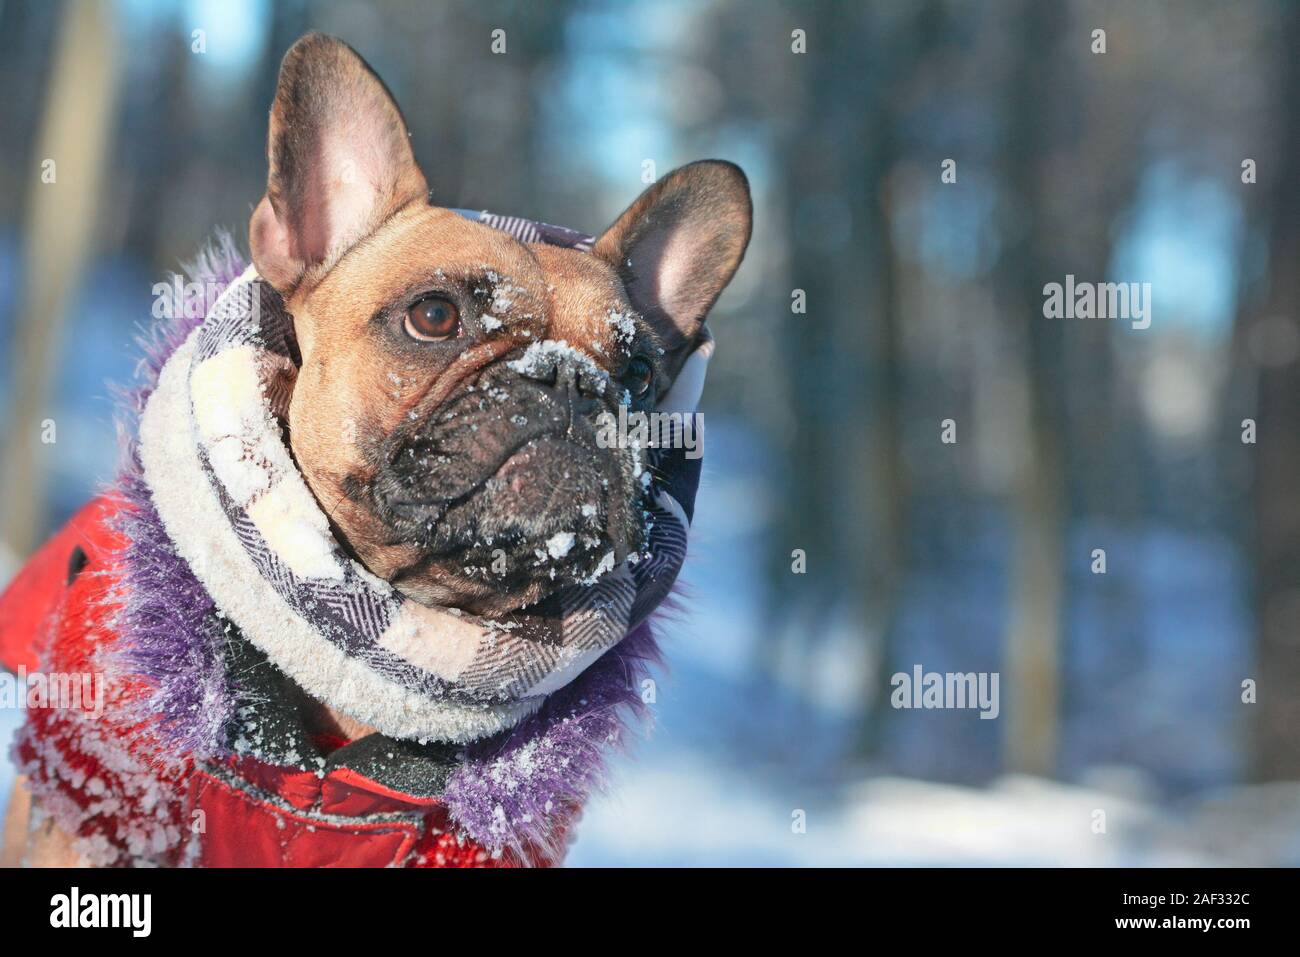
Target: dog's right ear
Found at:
340, 163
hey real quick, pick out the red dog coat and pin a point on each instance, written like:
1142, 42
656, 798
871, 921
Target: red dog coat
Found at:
130, 801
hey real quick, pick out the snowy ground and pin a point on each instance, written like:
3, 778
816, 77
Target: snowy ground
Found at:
691, 815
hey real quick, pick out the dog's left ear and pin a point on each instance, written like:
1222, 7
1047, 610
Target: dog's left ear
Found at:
679, 244
340, 163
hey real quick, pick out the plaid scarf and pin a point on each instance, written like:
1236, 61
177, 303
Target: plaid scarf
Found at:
242, 517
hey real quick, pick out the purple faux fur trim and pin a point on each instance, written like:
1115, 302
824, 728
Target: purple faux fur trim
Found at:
512, 790
515, 792
166, 613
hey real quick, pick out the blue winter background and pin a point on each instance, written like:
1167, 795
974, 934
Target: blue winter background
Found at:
1120, 692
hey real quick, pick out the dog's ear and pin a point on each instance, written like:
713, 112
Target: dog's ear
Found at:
340, 163
679, 244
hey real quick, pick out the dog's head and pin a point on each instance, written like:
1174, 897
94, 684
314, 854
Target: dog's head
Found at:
445, 408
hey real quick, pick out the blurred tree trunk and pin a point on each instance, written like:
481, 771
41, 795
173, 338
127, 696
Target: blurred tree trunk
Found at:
28, 33
847, 507
160, 111
60, 234
1032, 659
887, 487
812, 510
1277, 498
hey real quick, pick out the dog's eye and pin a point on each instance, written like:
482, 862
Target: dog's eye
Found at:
640, 374
432, 319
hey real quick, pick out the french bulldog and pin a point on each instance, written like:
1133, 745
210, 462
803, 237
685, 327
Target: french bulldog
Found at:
451, 377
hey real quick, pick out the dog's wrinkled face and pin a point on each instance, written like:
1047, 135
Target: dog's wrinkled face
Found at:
448, 434
445, 408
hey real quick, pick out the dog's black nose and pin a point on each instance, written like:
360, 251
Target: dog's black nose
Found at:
567, 372
576, 380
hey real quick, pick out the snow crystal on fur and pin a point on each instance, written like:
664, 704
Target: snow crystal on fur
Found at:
539, 357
